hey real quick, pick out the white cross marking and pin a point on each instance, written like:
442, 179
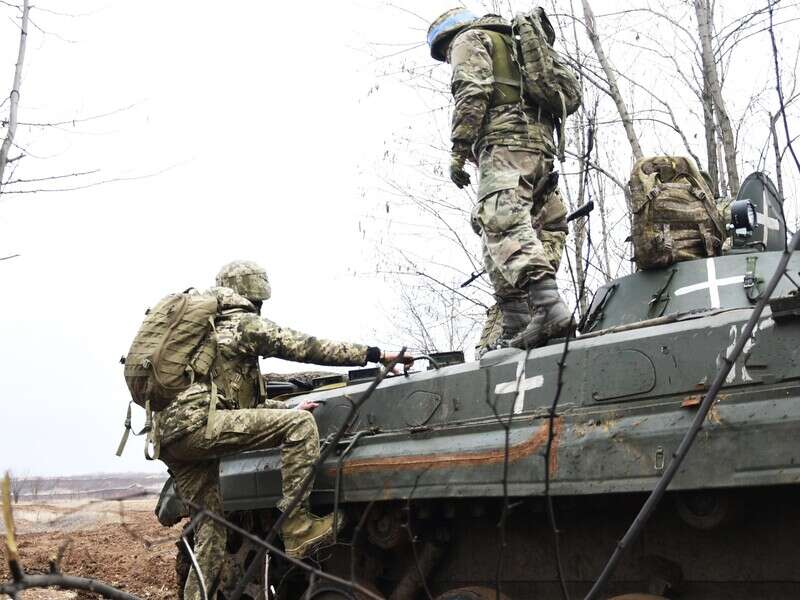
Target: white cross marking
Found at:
767, 221
529, 383
712, 285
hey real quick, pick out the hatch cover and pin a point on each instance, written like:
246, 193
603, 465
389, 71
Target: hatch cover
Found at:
419, 406
620, 373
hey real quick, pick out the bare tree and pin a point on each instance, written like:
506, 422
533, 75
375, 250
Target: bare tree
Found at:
611, 78
14, 151
713, 88
13, 104
17, 486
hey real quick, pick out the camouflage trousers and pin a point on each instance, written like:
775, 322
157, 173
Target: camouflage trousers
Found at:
513, 226
523, 239
193, 461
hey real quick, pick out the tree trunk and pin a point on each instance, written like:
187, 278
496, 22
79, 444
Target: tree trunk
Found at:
777, 149
600, 197
711, 140
711, 78
627, 122
14, 95
723, 183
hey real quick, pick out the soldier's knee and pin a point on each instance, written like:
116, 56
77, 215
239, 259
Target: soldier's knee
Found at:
304, 428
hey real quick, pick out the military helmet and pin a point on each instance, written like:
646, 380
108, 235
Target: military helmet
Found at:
246, 278
445, 27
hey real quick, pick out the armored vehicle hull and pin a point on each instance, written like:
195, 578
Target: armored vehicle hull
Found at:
455, 480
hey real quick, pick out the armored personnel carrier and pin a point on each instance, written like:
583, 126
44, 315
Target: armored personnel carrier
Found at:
447, 475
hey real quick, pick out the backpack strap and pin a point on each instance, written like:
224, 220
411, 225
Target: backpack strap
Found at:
711, 210
212, 411
127, 431
507, 88
212, 405
149, 430
153, 436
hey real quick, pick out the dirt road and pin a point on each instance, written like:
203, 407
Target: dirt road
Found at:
120, 543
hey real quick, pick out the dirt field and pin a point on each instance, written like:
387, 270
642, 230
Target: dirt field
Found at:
120, 543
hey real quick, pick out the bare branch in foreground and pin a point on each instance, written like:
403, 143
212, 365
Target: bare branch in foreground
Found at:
65, 582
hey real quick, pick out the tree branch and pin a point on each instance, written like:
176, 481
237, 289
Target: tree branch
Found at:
612, 81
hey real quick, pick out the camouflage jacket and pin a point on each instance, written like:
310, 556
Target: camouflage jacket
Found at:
474, 122
243, 335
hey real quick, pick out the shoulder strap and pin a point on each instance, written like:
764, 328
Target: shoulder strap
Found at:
507, 84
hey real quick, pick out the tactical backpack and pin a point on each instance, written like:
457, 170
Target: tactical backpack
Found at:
547, 81
174, 346
674, 215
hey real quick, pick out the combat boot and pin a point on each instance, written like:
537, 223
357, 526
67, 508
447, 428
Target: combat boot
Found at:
550, 317
516, 315
303, 532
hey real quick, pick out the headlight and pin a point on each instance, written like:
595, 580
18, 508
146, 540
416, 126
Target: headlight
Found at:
743, 216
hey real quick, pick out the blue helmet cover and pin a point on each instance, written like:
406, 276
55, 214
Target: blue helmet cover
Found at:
450, 22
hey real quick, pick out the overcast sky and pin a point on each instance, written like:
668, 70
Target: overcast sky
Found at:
251, 133
258, 120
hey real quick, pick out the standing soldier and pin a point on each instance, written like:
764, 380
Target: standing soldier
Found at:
195, 430
522, 224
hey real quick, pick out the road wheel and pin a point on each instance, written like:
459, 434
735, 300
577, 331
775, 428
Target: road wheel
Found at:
472, 593
326, 590
707, 509
241, 554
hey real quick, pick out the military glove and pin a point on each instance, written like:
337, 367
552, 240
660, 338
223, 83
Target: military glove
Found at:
458, 157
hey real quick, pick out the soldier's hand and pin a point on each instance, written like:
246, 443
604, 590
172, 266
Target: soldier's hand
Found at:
389, 357
458, 158
306, 405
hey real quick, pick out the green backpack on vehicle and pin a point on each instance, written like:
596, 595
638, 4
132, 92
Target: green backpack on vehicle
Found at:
674, 214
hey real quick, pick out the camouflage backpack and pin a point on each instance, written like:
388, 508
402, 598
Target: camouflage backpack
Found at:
674, 215
546, 79
174, 346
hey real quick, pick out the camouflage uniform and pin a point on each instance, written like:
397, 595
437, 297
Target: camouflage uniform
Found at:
193, 438
522, 239
514, 148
